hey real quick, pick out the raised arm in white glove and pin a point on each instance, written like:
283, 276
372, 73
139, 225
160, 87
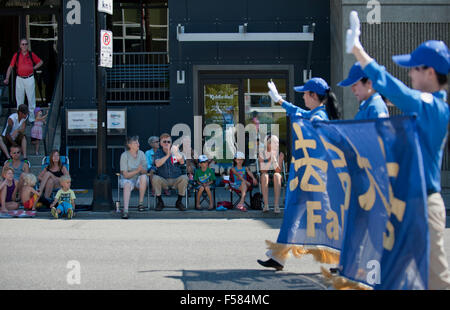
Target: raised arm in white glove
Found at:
353, 45
273, 93
353, 33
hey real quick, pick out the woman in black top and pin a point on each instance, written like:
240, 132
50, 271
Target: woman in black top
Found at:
49, 176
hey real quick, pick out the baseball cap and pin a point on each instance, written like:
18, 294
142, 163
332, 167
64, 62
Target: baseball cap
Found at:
239, 155
202, 158
316, 85
354, 75
431, 53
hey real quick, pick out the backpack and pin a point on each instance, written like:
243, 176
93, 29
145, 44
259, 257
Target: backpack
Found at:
256, 201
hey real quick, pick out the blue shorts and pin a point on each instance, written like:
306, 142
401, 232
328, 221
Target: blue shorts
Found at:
64, 207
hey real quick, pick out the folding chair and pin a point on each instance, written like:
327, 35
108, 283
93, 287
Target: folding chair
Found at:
204, 196
236, 191
64, 160
118, 201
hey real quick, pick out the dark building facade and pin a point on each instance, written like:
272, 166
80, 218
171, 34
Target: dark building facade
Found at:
187, 62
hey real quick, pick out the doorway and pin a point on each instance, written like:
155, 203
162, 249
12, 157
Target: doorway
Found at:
40, 26
242, 100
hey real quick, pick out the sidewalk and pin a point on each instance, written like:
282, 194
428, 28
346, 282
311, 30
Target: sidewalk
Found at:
85, 199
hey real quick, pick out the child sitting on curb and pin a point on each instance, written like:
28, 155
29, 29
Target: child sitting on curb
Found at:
28, 195
65, 198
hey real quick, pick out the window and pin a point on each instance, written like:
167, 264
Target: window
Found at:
140, 29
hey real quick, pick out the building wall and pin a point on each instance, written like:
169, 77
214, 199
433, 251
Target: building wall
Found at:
404, 25
203, 16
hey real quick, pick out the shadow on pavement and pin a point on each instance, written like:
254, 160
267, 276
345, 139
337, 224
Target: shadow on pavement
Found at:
249, 280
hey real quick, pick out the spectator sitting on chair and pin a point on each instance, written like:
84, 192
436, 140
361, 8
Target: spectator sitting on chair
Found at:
154, 145
8, 190
19, 166
240, 178
51, 174
14, 133
204, 177
167, 161
270, 159
133, 170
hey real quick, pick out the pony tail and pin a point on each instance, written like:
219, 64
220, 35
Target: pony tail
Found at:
332, 106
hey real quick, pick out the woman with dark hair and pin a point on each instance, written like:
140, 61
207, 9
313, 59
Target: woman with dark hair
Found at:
133, 170
50, 175
319, 99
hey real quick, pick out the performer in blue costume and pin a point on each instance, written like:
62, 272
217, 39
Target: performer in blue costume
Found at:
429, 65
323, 105
371, 104
318, 98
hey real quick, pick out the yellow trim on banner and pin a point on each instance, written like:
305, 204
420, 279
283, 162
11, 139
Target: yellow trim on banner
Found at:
321, 254
343, 283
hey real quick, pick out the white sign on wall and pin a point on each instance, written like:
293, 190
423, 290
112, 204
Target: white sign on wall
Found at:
106, 48
105, 6
87, 120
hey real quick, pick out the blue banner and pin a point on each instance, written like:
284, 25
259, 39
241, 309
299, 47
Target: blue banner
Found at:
357, 187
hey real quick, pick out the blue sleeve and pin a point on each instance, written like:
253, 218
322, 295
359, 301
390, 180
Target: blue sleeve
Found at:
148, 155
407, 99
292, 109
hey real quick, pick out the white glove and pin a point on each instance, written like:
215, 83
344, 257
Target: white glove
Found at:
273, 92
353, 33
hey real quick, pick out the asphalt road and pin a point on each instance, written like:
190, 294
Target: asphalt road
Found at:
148, 254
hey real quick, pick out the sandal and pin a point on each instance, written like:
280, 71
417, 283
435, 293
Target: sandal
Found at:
125, 215
276, 210
141, 207
241, 207
265, 209
198, 208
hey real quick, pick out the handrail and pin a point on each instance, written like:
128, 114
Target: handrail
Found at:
53, 116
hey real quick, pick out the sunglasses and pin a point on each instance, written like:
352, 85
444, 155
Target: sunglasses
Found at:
15, 152
166, 141
23, 43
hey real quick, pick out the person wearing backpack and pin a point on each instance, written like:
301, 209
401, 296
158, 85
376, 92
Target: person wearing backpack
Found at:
25, 63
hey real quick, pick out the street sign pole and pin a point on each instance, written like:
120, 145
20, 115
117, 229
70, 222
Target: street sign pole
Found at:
102, 198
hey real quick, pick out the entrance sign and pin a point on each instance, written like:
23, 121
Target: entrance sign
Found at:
106, 48
105, 6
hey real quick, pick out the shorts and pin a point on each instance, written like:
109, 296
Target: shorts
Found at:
133, 182
17, 140
64, 207
28, 205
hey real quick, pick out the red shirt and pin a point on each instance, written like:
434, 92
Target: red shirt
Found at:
25, 65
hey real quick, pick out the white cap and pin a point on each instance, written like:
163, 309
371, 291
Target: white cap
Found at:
202, 158
239, 155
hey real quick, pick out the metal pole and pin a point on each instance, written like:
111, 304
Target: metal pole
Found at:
102, 200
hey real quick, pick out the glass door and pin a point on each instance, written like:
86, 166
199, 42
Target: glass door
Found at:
238, 114
264, 114
220, 110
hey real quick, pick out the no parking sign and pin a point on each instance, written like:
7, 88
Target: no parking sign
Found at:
106, 48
